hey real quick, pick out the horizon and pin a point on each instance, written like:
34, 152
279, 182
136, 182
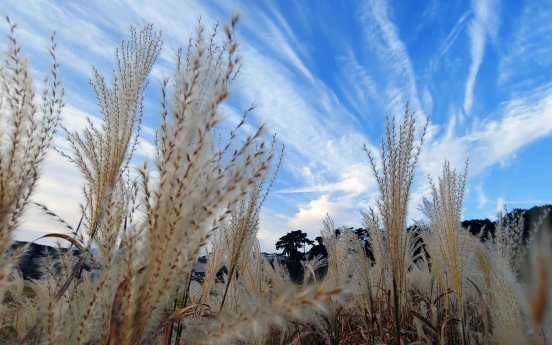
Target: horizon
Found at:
324, 78
203, 254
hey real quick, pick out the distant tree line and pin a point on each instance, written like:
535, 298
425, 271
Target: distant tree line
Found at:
294, 241
29, 263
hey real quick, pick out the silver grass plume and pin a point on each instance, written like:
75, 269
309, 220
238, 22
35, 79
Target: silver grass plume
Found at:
394, 175
26, 132
454, 243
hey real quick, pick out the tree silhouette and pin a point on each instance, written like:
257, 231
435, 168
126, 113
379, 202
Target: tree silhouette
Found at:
291, 242
319, 248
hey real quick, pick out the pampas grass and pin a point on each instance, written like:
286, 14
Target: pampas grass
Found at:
140, 236
145, 223
432, 283
454, 244
399, 155
27, 129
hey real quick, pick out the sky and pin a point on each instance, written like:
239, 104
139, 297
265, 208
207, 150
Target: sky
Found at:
324, 75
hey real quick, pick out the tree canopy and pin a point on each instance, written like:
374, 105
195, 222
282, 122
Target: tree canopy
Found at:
292, 241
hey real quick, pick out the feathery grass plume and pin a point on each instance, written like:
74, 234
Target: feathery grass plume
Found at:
454, 243
537, 286
140, 259
502, 293
499, 260
431, 281
278, 276
17, 308
394, 175
251, 268
360, 267
25, 135
244, 217
379, 246
349, 269
216, 258
14, 300
342, 248
103, 154
291, 306
310, 267
509, 239
196, 185
337, 251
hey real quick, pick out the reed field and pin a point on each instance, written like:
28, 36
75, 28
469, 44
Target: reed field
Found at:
127, 278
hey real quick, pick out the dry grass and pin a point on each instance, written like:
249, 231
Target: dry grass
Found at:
146, 232
201, 194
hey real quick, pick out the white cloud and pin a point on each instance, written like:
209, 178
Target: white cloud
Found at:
324, 157
317, 130
358, 86
500, 204
281, 43
357, 179
451, 37
522, 121
145, 149
383, 34
310, 215
528, 47
481, 198
484, 25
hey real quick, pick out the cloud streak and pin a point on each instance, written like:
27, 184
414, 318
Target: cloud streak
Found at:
383, 33
484, 25
324, 100
522, 121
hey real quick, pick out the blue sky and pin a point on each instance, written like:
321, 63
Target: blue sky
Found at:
324, 75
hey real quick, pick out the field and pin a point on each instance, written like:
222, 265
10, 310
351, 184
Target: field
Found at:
145, 223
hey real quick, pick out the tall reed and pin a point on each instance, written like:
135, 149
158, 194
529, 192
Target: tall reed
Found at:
29, 122
144, 225
140, 236
455, 244
394, 174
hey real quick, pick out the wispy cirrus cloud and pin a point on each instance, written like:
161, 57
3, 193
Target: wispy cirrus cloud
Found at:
526, 49
520, 121
481, 197
451, 38
324, 86
277, 38
383, 34
353, 181
483, 26
358, 84
314, 141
